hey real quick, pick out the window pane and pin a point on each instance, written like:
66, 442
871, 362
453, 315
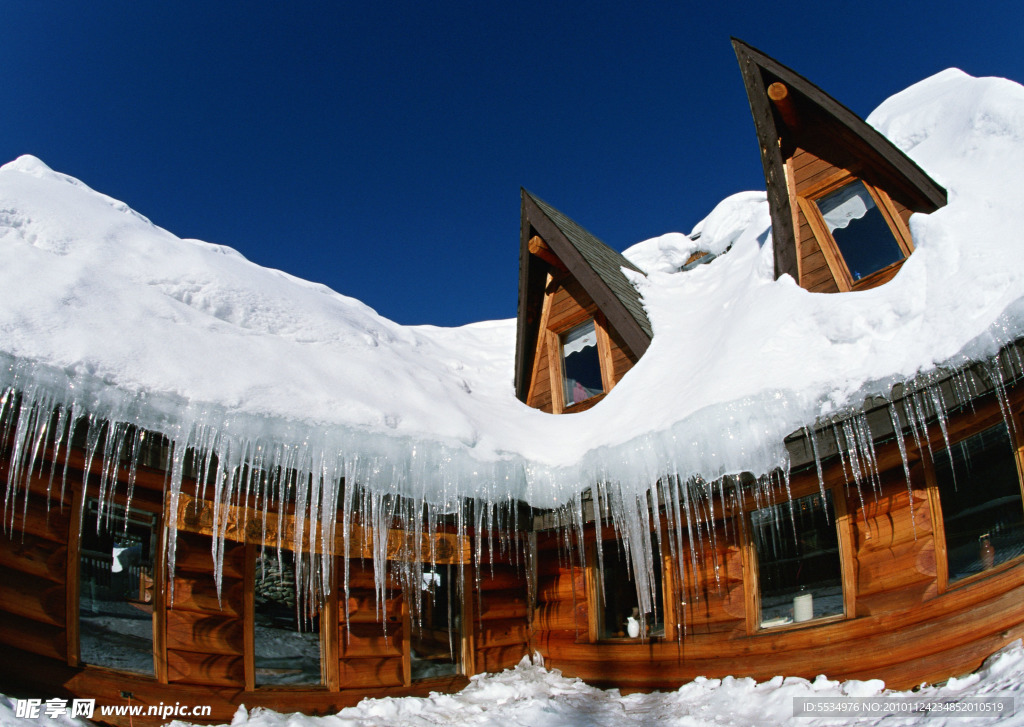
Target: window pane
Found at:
799, 574
863, 236
286, 630
981, 503
115, 606
620, 602
437, 637
581, 364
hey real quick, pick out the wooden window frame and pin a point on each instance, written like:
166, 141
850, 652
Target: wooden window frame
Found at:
943, 583
807, 200
329, 647
72, 592
847, 568
465, 664
556, 368
595, 600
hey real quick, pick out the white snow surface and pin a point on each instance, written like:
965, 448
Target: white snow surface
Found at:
121, 318
532, 696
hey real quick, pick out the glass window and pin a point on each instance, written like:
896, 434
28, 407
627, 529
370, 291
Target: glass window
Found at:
115, 597
799, 572
287, 629
864, 238
620, 607
437, 635
581, 364
980, 495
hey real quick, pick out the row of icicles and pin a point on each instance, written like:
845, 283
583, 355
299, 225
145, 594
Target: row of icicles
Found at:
40, 427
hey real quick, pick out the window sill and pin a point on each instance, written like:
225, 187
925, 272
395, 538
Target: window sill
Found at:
585, 404
995, 570
796, 625
659, 635
879, 277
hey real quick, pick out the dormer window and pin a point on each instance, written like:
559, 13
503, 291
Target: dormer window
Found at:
858, 230
864, 238
581, 364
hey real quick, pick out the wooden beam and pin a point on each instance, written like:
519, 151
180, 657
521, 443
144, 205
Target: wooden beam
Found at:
243, 526
329, 625
249, 618
783, 102
467, 643
538, 247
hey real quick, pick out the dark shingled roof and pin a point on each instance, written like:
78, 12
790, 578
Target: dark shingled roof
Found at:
597, 267
603, 260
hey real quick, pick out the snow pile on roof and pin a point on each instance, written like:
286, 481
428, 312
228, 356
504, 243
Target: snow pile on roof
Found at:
105, 313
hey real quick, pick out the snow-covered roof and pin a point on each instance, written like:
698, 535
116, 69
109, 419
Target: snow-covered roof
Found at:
105, 312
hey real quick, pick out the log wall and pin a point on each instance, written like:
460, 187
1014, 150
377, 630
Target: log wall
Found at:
501, 616
33, 577
371, 639
206, 630
710, 596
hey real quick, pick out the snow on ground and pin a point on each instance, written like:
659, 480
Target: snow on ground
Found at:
531, 696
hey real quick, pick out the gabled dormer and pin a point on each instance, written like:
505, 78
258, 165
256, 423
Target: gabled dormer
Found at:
581, 325
840, 193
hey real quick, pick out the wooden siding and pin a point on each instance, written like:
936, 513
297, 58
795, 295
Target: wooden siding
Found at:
561, 613
372, 638
711, 599
501, 618
33, 569
205, 630
903, 624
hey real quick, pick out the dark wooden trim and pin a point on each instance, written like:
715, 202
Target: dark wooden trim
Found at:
783, 237
160, 599
71, 583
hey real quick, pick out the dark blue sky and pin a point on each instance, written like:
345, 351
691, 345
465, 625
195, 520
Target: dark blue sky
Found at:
379, 147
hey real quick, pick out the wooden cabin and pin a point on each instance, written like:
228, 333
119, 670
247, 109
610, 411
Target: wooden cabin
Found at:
876, 555
891, 549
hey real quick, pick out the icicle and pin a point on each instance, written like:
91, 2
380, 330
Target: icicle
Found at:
902, 444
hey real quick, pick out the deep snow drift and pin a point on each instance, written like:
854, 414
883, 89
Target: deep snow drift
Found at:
105, 317
530, 696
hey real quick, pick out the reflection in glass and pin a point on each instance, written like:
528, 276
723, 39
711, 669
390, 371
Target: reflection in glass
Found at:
115, 607
581, 364
799, 574
980, 495
864, 238
437, 635
287, 632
